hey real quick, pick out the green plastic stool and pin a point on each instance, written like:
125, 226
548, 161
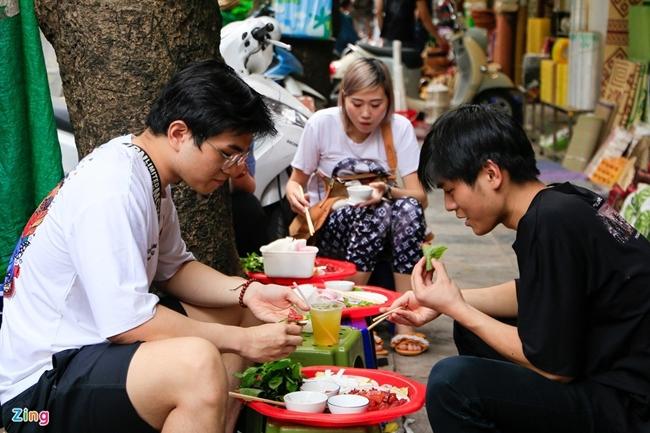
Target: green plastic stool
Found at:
348, 353
272, 427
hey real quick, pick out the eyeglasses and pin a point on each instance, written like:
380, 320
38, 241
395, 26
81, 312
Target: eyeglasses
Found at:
230, 160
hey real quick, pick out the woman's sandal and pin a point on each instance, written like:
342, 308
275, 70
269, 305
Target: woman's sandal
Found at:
380, 350
401, 342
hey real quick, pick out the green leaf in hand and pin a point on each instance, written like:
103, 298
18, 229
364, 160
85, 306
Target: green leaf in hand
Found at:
432, 252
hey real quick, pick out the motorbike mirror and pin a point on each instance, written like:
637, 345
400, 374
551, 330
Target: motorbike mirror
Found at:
261, 33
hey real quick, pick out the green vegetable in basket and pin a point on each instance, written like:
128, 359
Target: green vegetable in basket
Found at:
432, 252
271, 380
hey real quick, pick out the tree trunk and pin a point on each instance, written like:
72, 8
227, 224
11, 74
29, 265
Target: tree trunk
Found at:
114, 57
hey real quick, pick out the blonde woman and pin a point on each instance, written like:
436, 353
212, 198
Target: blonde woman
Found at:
348, 139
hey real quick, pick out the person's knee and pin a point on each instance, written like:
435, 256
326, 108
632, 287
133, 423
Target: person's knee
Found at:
451, 379
407, 216
203, 372
406, 205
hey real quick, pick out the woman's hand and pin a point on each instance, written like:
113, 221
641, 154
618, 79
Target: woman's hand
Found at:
271, 302
378, 192
440, 294
412, 312
298, 200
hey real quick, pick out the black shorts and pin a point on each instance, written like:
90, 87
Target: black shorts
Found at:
84, 392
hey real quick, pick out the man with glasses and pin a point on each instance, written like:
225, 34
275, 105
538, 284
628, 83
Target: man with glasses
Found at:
84, 340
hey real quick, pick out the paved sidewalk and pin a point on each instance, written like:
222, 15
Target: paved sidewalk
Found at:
472, 261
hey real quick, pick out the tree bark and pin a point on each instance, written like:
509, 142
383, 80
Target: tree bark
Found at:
114, 57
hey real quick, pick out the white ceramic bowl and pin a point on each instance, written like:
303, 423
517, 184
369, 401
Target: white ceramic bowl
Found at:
289, 264
327, 387
306, 401
340, 285
359, 193
347, 403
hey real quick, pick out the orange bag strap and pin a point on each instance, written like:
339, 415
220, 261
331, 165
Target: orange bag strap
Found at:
391, 156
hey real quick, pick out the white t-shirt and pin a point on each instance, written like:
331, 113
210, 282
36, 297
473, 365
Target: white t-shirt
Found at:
324, 143
88, 257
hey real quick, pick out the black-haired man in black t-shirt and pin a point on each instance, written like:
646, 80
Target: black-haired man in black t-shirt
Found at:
578, 358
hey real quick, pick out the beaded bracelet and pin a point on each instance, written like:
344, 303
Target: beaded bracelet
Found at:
243, 286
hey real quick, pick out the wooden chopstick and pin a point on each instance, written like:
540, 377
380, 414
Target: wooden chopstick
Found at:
253, 398
371, 326
387, 313
310, 223
377, 320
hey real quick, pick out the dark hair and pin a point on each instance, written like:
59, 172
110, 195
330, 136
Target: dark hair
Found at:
462, 140
211, 99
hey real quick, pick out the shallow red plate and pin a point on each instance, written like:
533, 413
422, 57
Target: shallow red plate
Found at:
336, 270
370, 310
416, 393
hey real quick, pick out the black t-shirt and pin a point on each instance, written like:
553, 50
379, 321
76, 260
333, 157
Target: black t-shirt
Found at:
584, 297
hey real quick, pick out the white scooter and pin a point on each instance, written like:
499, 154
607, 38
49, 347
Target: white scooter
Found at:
247, 46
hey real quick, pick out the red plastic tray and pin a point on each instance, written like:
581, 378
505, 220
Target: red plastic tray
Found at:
339, 270
416, 393
370, 310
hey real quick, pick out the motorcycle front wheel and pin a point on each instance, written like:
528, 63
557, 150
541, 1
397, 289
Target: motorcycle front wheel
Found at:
508, 101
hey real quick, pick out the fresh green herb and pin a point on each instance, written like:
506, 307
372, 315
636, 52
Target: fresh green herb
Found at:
271, 380
253, 262
355, 303
357, 289
432, 252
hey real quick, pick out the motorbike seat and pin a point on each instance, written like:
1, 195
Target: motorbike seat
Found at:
410, 56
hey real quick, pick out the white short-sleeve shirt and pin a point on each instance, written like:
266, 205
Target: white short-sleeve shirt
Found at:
324, 143
85, 263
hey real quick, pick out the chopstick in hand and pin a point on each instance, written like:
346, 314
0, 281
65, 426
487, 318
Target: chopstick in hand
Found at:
387, 313
376, 323
310, 223
377, 320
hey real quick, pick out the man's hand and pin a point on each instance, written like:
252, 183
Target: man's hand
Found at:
412, 312
441, 294
271, 302
270, 341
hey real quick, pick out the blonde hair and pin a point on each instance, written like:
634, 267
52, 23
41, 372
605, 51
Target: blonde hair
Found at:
365, 73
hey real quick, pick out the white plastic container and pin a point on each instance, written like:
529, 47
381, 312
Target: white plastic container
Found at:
289, 264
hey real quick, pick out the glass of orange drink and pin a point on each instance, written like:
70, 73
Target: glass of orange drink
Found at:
326, 321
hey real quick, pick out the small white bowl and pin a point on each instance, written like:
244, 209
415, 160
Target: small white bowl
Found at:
306, 401
347, 403
327, 387
359, 193
340, 285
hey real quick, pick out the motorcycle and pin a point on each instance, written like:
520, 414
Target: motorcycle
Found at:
476, 81
275, 59
247, 46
